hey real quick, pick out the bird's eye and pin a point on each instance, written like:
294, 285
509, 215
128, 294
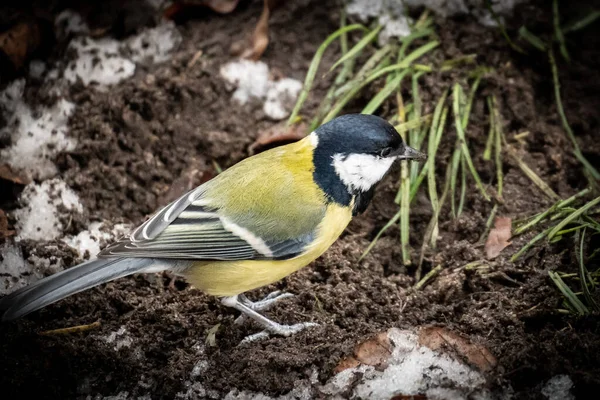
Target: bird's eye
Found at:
386, 152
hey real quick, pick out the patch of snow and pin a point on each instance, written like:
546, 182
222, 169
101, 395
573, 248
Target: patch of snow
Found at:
154, 45
252, 81
14, 270
392, 16
38, 219
412, 370
36, 136
98, 61
120, 339
89, 242
281, 97
70, 21
107, 61
559, 388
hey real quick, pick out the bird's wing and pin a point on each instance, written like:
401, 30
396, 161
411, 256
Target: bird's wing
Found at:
186, 229
208, 223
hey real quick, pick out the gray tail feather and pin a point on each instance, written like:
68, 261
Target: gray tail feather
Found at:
68, 282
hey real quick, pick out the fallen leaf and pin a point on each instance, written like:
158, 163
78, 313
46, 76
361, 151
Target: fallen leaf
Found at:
278, 135
438, 338
19, 41
499, 237
7, 174
254, 47
375, 352
4, 231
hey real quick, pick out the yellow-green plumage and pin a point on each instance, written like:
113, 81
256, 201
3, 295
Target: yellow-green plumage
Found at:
295, 209
229, 278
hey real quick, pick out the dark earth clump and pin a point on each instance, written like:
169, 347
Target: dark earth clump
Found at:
172, 120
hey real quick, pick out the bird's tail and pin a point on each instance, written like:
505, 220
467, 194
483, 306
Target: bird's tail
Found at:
70, 281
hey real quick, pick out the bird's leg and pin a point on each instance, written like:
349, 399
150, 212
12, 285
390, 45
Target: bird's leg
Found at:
261, 305
270, 326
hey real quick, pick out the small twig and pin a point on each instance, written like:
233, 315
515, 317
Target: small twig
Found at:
72, 329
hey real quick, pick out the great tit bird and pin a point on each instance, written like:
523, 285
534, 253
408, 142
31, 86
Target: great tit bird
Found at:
255, 223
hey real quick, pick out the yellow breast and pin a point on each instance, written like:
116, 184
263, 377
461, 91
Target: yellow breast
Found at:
230, 278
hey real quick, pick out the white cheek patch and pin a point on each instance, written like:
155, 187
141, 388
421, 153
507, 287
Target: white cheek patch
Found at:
361, 171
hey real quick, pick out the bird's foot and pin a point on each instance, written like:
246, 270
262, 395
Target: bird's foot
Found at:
249, 309
269, 301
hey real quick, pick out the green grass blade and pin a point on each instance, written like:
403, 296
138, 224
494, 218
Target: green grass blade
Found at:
568, 293
574, 215
584, 276
358, 47
314, 65
405, 212
502, 28
384, 93
487, 153
543, 186
498, 148
582, 23
454, 166
593, 171
558, 31
557, 206
374, 61
463, 141
387, 226
463, 185
532, 39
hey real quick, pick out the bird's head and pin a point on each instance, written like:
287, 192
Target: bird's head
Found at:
354, 152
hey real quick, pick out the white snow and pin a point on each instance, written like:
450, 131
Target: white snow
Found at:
559, 388
70, 21
38, 219
98, 61
252, 81
89, 242
107, 61
14, 270
281, 97
251, 78
119, 339
412, 370
154, 45
392, 16
37, 136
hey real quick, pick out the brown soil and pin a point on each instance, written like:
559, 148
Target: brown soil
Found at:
146, 133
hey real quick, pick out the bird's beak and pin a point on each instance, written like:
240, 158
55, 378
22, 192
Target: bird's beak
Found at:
408, 153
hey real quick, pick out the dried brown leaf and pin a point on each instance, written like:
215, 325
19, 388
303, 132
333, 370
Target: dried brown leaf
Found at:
4, 231
278, 135
499, 237
7, 174
254, 47
375, 352
19, 41
437, 338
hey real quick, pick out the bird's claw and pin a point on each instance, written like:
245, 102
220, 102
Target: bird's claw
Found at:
269, 301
